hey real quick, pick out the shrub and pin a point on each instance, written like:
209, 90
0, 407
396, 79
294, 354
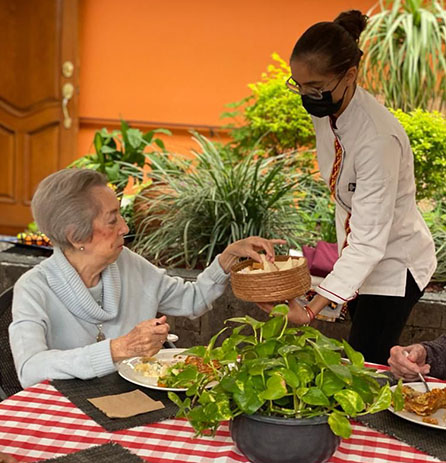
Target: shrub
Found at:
118, 148
427, 134
201, 208
272, 118
404, 46
435, 218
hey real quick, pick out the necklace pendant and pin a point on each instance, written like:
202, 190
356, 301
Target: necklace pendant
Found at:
100, 336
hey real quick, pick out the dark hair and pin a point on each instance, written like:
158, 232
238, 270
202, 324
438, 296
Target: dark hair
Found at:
332, 47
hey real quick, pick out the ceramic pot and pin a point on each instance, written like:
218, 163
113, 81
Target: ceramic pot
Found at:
265, 439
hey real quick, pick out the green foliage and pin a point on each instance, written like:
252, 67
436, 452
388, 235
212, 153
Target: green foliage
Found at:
272, 118
427, 135
404, 54
202, 207
435, 218
274, 370
114, 149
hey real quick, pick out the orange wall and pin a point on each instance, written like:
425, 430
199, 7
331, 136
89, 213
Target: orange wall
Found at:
181, 61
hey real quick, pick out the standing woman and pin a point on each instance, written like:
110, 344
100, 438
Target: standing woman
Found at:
387, 255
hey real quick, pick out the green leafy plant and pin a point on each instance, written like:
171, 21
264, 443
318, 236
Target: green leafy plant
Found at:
126, 147
203, 206
272, 369
272, 118
427, 135
404, 54
435, 216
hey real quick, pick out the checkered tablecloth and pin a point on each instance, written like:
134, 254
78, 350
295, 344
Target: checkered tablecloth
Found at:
40, 423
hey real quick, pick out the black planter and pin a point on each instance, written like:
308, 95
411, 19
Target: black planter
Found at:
265, 439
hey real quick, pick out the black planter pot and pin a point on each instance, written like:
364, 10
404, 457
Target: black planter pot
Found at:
265, 439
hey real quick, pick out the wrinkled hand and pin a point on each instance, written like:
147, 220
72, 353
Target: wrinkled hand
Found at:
297, 314
146, 339
408, 366
7, 458
249, 247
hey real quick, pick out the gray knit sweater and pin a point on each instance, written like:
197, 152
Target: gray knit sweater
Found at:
436, 356
55, 318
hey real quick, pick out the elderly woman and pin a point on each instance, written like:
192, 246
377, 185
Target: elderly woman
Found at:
94, 302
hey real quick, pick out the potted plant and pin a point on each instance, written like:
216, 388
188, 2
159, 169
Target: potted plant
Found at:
403, 46
288, 391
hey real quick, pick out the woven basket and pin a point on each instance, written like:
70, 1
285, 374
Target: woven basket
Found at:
272, 286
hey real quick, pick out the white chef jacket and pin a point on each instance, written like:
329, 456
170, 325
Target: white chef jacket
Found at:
376, 185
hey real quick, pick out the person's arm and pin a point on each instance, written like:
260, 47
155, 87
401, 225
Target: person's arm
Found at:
33, 359
192, 299
377, 168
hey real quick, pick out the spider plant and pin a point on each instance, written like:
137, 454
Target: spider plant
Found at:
201, 207
404, 50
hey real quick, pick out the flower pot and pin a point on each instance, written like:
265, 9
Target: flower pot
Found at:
265, 439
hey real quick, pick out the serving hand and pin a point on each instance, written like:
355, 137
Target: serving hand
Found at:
297, 313
248, 247
145, 339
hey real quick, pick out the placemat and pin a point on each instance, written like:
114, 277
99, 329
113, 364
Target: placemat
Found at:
78, 391
429, 440
106, 453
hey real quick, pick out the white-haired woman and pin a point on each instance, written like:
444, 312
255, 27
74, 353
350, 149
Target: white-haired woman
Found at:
94, 302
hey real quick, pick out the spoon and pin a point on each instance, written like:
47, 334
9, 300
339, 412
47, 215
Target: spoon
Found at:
406, 354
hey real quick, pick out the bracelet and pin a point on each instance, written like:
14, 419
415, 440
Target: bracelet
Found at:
309, 318
310, 313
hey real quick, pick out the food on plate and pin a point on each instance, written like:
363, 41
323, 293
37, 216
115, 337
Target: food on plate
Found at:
175, 372
423, 404
267, 267
429, 420
152, 367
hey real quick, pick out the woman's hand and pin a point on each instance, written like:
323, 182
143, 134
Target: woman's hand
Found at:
4, 458
406, 362
297, 313
249, 247
146, 339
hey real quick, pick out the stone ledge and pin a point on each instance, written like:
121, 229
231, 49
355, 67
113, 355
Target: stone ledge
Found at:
427, 321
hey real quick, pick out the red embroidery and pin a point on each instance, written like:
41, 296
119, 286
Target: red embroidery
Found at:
336, 166
335, 170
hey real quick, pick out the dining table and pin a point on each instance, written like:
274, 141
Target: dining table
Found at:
41, 423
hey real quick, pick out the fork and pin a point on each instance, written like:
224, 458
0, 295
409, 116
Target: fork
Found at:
406, 354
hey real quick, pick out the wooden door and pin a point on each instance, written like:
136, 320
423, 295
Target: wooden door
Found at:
37, 135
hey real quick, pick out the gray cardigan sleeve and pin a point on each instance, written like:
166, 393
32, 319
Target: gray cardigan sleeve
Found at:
436, 356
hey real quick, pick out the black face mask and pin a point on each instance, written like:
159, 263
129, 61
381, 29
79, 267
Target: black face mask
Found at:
323, 107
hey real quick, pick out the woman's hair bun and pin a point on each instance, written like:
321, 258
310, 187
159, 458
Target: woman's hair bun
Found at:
353, 21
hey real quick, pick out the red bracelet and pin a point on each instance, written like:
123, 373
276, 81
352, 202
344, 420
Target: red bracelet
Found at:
310, 313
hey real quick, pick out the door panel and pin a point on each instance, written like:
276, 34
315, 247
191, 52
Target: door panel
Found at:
37, 38
7, 165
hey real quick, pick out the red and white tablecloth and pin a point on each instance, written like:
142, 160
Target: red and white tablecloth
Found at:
40, 423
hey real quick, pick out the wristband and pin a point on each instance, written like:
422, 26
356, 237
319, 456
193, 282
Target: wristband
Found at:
310, 313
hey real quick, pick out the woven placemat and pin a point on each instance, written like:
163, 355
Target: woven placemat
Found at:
107, 453
429, 440
78, 391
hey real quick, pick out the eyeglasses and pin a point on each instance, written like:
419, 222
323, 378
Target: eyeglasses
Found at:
312, 92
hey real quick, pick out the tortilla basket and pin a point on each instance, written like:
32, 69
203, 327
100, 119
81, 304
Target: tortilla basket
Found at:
272, 286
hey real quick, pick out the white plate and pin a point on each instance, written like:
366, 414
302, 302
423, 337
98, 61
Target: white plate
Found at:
126, 369
440, 414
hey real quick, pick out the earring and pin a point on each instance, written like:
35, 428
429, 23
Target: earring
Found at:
81, 248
